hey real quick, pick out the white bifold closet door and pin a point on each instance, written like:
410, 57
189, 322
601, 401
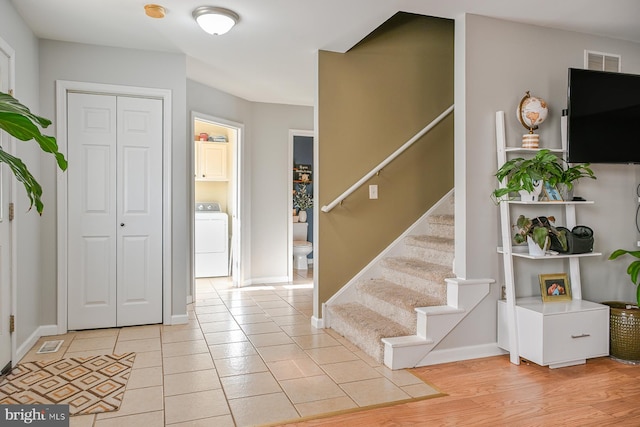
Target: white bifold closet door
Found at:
114, 211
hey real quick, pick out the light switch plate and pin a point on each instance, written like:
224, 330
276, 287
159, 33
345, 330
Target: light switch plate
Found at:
373, 191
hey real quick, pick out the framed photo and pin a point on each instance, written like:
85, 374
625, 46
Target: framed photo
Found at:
552, 193
555, 287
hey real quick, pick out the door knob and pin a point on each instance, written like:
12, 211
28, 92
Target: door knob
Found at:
122, 224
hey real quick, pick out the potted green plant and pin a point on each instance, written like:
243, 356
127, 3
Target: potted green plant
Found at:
624, 317
537, 232
302, 201
527, 175
18, 121
570, 174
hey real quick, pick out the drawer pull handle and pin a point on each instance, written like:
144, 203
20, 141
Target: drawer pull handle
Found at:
580, 336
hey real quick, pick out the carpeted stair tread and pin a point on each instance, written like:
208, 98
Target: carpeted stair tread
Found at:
432, 242
419, 268
441, 225
395, 301
364, 327
398, 295
446, 219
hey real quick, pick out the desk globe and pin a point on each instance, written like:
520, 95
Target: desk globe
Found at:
531, 112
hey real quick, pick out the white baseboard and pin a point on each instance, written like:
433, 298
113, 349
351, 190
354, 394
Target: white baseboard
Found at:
266, 280
41, 331
436, 357
317, 322
179, 319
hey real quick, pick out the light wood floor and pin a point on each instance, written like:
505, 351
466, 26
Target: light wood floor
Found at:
494, 392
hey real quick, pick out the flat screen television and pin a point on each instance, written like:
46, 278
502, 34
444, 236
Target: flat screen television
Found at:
603, 123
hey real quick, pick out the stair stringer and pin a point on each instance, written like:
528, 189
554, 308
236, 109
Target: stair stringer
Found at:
435, 323
348, 292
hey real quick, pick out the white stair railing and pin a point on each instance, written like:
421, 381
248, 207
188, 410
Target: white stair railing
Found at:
386, 161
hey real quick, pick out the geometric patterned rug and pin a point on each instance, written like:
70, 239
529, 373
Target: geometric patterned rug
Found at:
87, 384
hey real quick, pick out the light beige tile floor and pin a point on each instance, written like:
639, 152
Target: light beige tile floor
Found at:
247, 357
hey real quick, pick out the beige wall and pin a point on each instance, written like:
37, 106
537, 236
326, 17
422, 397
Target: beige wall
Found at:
371, 100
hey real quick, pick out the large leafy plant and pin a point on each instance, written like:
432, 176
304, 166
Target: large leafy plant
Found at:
522, 174
18, 121
633, 270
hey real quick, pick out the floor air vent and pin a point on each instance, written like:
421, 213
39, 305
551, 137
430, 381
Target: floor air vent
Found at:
50, 347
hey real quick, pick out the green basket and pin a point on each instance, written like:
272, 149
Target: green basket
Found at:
624, 332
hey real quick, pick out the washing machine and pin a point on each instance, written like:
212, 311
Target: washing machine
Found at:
211, 240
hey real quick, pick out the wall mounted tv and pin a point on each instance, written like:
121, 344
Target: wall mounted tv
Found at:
603, 117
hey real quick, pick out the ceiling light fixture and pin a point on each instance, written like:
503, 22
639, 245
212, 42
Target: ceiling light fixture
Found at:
215, 20
154, 10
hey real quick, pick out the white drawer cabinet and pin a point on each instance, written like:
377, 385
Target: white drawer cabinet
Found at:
557, 334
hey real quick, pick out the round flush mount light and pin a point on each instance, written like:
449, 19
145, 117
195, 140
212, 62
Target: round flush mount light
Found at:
154, 10
215, 20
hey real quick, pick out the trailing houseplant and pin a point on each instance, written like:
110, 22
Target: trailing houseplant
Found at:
522, 174
18, 121
538, 229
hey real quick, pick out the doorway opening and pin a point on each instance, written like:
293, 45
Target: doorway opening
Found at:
216, 197
301, 225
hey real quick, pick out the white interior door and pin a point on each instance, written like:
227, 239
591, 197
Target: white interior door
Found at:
114, 211
5, 232
139, 206
92, 211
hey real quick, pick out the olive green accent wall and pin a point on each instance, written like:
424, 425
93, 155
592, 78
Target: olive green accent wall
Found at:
371, 100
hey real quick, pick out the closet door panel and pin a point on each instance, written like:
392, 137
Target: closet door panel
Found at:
139, 170
91, 211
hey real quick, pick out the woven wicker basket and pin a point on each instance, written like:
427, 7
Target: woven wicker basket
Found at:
624, 326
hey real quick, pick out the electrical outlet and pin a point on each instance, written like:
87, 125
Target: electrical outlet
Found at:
373, 191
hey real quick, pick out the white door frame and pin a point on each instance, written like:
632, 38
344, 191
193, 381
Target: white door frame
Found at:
292, 134
62, 88
239, 245
13, 225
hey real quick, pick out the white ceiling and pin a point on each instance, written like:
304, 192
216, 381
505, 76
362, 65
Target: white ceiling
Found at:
270, 55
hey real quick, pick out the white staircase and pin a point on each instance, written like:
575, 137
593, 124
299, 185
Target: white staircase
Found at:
407, 300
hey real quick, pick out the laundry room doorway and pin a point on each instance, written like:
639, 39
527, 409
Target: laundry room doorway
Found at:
216, 199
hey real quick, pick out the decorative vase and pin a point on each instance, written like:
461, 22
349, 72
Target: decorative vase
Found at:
302, 215
624, 328
527, 196
534, 249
